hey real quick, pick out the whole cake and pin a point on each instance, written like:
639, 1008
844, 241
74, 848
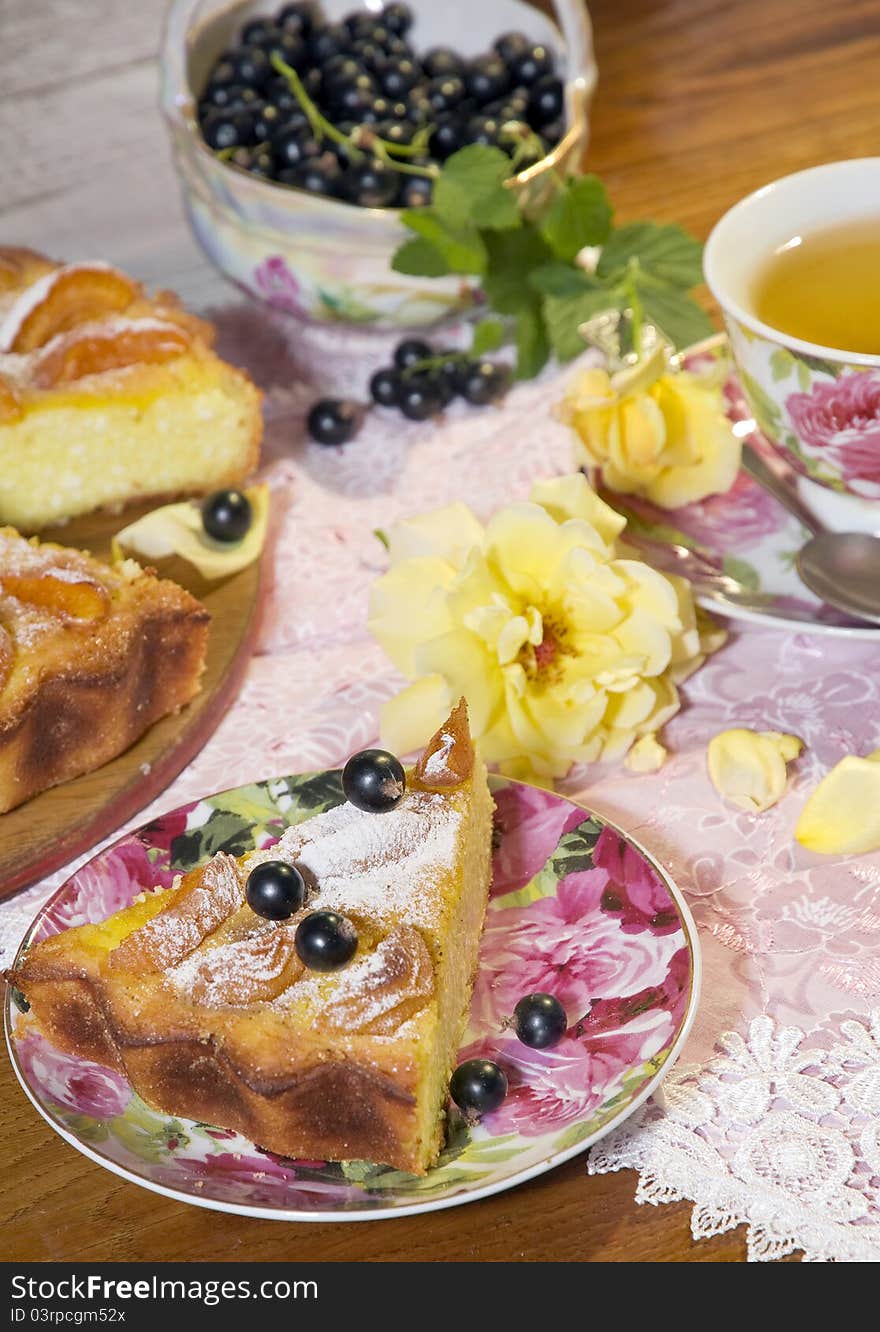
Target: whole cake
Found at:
109, 396
219, 1011
91, 655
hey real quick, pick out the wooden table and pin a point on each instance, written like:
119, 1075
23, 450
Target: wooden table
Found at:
698, 103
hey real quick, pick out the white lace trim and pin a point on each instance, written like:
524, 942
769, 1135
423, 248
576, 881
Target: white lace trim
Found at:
771, 1135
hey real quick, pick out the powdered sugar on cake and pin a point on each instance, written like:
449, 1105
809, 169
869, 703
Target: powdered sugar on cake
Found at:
386, 866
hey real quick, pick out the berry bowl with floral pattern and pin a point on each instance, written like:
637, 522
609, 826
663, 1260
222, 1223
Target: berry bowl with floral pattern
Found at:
320, 258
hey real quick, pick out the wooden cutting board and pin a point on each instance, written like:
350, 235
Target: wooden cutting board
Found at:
45, 833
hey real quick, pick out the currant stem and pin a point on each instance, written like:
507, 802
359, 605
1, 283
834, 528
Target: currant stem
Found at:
321, 127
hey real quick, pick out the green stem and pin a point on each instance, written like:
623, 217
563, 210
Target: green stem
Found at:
635, 305
321, 126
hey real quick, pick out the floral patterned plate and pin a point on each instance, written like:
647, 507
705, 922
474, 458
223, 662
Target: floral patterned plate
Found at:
749, 536
577, 909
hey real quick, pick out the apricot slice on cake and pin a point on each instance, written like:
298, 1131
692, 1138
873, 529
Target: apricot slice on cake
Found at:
92, 351
61, 591
20, 267
76, 296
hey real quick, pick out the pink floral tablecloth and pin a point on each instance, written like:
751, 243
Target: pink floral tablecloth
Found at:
773, 1116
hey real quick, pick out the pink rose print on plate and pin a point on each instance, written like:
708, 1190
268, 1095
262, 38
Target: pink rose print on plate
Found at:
567, 946
634, 893
838, 422
70, 1082
106, 884
530, 823
548, 1089
277, 285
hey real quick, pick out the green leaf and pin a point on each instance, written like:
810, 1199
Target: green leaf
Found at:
459, 245
559, 279
532, 345
666, 252
314, 792
742, 571
488, 335
563, 315
764, 408
675, 314
471, 189
419, 258
781, 364
580, 215
512, 255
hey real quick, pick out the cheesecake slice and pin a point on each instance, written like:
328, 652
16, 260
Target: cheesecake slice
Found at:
109, 396
209, 1011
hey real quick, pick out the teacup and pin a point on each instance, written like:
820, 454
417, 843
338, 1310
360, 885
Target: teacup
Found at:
819, 406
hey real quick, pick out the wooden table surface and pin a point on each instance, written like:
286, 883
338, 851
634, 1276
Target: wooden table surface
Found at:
699, 101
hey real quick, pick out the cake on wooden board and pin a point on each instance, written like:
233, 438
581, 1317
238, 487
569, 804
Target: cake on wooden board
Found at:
110, 396
91, 655
209, 1010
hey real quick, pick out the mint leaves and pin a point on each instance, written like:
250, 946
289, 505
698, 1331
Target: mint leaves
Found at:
527, 268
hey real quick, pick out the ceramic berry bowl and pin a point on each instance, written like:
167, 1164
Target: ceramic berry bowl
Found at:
320, 257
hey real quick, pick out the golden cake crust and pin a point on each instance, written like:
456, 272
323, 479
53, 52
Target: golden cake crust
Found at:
90, 657
332, 1066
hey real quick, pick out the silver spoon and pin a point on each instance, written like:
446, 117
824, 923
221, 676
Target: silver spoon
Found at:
843, 568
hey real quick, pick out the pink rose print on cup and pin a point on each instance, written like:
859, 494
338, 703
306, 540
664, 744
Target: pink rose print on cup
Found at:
838, 422
567, 946
635, 893
72, 1083
277, 285
531, 822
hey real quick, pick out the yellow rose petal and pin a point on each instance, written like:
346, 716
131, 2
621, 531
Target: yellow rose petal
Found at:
748, 767
573, 497
177, 529
842, 816
412, 717
646, 755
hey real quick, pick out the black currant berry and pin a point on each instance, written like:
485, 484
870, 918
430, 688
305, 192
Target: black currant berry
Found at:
298, 18
275, 890
410, 352
227, 515
370, 184
325, 941
487, 78
420, 398
292, 145
374, 780
415, 191
545, 101
478, 1086
328, 41
229, 127
318, 175
441, 61
445, 93
483, 129
397, 77
447, 137
251, 66
398, 19
334, 420
256, 32
531, 65
540, 1021
385, 387
510, 45
483, 382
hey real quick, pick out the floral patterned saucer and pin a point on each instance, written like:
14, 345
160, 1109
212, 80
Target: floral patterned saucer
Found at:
749, 536
576, 909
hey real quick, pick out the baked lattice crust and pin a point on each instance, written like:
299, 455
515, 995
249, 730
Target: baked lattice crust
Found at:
90, 657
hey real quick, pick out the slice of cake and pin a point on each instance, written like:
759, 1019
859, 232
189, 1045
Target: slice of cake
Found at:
90, 656
108, 396
218, 1013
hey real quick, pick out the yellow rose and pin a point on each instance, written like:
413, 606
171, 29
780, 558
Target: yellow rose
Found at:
565, 651
654, 432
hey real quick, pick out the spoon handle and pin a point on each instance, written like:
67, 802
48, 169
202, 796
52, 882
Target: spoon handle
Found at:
780, 490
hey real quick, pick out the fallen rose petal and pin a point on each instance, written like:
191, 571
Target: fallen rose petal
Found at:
748, 767
842, 816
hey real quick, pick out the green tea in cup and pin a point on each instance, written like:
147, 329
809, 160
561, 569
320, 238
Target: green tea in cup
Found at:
823, 286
